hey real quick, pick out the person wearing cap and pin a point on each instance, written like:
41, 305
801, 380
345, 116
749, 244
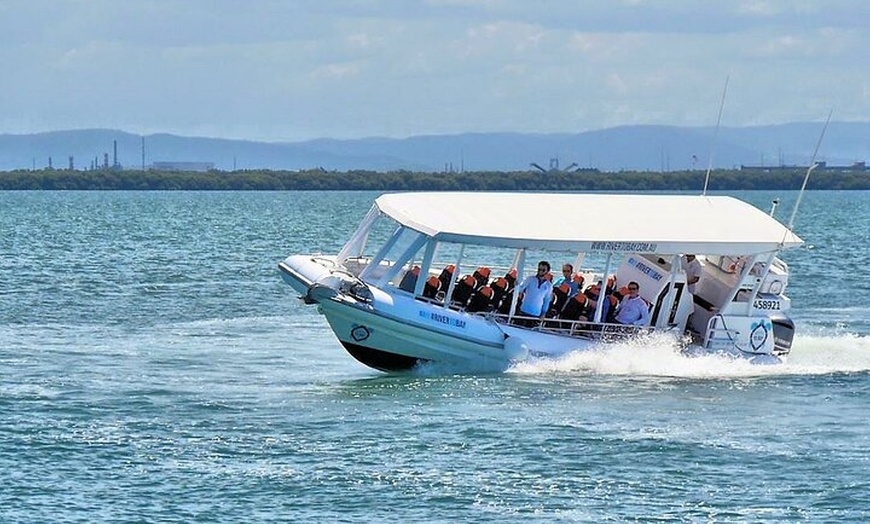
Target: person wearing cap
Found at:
693, 272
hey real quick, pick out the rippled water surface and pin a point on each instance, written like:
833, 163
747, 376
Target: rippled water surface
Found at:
154, 368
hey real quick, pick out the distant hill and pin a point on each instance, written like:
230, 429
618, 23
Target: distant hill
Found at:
627, 148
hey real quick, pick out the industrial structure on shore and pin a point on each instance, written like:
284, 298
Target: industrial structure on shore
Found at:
857, 167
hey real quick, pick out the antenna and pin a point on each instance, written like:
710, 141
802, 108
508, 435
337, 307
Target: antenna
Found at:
813, 165
713, 140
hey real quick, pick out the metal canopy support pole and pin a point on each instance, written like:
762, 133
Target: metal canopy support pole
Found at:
736, 289
578, 262
400, 261
376, 261
453, 278
428, 255
761, 278
602, 290
520, 261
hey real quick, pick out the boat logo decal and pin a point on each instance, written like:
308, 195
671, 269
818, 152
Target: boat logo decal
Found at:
442, 319
758, 335
360, 333
645, 269
630, 247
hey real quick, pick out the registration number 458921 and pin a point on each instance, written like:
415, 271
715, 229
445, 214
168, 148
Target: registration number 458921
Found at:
768, 305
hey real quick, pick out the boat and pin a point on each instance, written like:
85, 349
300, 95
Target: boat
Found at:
430, 277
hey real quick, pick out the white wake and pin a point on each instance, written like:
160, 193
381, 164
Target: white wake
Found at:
660, 356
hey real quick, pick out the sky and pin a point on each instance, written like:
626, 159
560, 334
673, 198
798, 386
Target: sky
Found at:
292, 70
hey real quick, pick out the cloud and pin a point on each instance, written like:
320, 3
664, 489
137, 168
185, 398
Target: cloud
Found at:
293, 70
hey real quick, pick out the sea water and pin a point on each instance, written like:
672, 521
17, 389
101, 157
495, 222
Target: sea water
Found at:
154, 368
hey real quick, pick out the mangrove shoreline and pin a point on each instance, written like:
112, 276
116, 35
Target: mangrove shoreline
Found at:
265, 180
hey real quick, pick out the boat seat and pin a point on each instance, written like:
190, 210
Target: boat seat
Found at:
560, 298
481, 300
432, 287
576, 308
409, 280
463, 290
511, 278
481, 275
446, 276
499, 290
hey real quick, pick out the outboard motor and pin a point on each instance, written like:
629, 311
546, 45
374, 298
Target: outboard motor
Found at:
783, 334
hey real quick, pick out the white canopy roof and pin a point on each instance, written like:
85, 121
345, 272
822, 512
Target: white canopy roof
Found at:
661, 224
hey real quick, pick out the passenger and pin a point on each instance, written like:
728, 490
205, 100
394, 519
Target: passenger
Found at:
633, 310
409, 281
578, 280
537, 292
693, 272
568, 278
608, 308
621, 293
611, 285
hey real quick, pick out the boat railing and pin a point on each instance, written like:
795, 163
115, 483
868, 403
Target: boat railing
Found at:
604, 331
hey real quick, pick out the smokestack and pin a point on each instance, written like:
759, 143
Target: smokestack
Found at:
71, 164
105, 160
115, 155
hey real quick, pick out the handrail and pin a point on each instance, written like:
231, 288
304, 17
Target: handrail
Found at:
574, 328
730, 335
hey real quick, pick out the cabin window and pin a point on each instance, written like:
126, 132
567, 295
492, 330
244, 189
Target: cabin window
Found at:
370, 238
355, 247
403, 247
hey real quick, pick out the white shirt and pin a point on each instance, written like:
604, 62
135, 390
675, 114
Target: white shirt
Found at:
693, 269
633, 311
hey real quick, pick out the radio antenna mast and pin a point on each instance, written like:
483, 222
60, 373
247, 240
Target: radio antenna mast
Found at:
813, 165
713, 140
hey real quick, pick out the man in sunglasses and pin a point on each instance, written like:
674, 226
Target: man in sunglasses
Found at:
633, 310
537, 292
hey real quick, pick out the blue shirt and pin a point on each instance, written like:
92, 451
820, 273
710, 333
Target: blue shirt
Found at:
573, 287
537, 293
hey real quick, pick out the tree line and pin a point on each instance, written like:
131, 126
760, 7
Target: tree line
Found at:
317, 179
